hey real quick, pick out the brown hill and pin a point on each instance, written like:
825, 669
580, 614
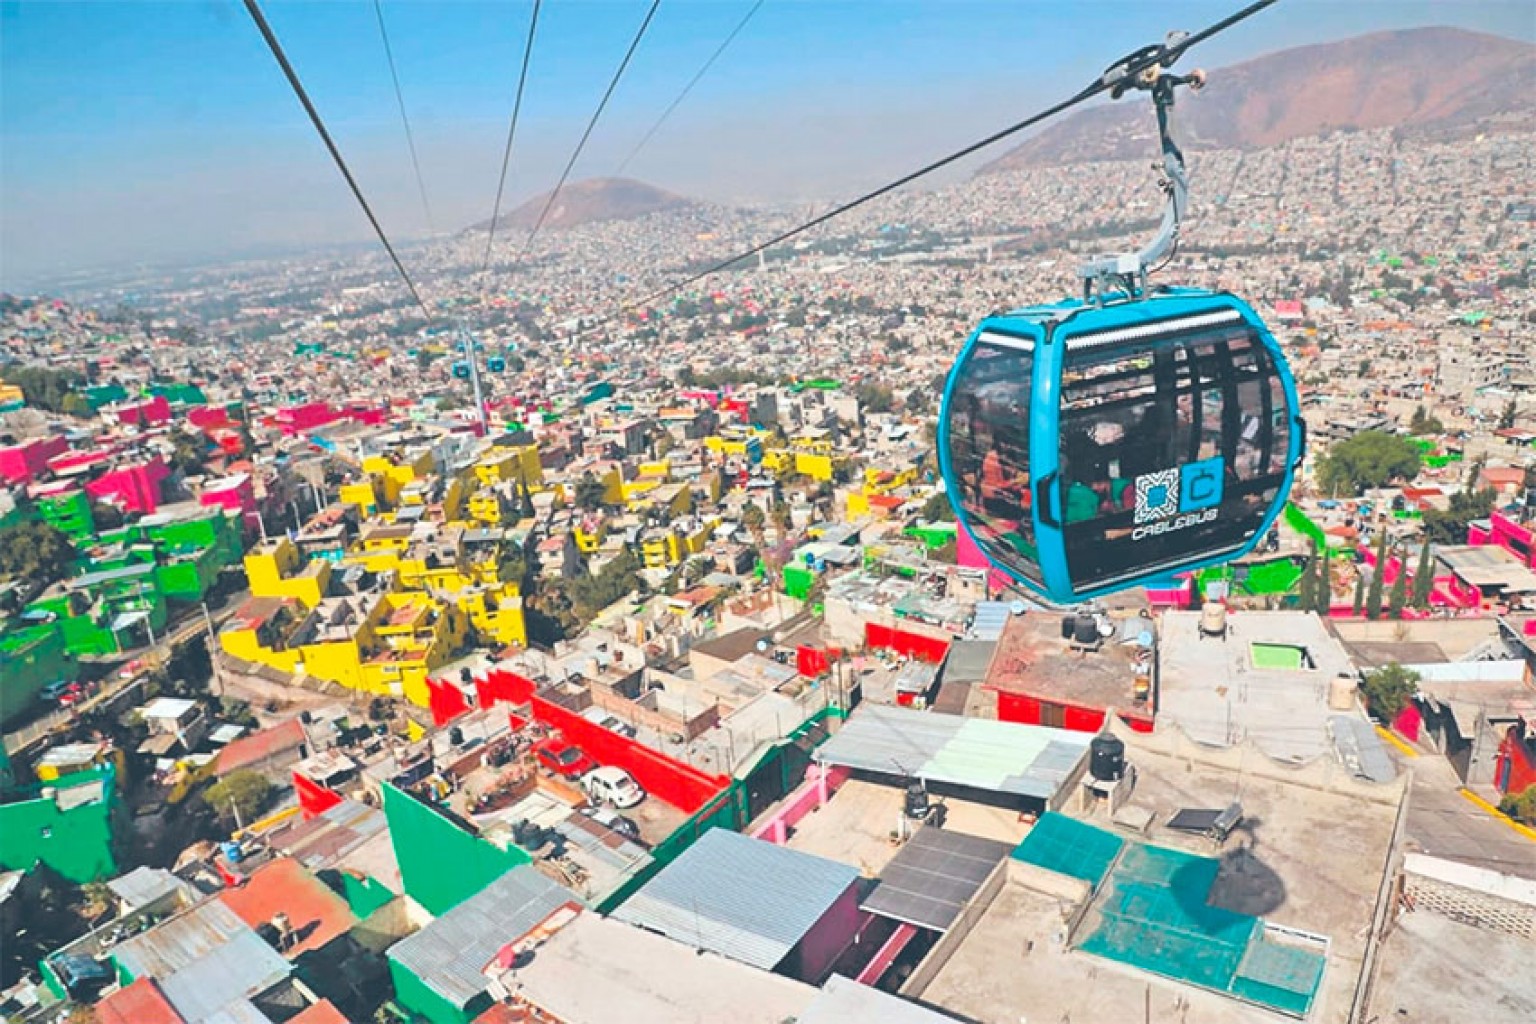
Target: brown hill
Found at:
584, 202
1429, 80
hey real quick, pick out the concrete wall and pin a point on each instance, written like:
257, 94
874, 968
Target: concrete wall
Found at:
928, 968
1322, 773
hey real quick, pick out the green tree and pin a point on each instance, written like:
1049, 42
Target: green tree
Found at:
35, 551
1520, 806
1378, 572
1399, 595
1359, 602
591, 594
1423, 578
1424, 423
590, 492
1324, 592
753, 518
1450, 525
188, 453
240, 795
1306, 597
76, 405
1388, 690
1371, 458
1507, 417
938, 510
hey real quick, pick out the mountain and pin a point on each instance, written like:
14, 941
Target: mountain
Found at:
1430, 80
585, 202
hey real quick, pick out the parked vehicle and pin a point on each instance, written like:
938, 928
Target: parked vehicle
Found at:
613, 820
557, 756
54, 690
609, 721
609, 785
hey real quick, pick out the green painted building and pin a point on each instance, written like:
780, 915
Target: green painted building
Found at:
66, 825
31, 657
69, 512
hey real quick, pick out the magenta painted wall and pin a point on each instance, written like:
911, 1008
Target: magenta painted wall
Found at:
812, 958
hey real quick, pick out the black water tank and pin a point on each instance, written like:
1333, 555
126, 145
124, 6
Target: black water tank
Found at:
1087, 631
456, 736
917, 801
1106, 758
1068, 627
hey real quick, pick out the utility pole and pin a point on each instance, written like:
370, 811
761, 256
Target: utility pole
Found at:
213, 653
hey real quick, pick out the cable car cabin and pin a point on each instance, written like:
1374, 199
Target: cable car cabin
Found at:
1092, 448
461, 371
496, 364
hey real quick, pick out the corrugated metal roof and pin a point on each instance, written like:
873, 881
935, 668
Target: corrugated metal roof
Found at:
1000, 757
1356, 744
203, 960
143, 885
740, 897
449, 954
989, 619
968, 660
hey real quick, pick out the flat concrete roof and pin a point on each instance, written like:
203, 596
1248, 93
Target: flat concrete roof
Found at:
1435, 969
1309, 859
1488, 566
1033, 658
644, 978
1211, 689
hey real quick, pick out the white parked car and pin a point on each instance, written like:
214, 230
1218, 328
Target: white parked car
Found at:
609, 721
612, 786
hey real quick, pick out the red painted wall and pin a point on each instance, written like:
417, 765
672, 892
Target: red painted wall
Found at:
1408, 722
1022, 708
19, 463
680, 785
914, 645
134, 488
814, 955
1516, 769
314, 798
445, 700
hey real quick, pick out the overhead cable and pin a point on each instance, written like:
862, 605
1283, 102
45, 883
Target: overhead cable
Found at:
410, 141
651, 132
506, 155
576, 154
1125, 70
325, 136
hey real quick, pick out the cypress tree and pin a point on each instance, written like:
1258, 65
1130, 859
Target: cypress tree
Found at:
1359, 592
1325, 583
1423, 578
1307, 595
1373, 595
1399, 595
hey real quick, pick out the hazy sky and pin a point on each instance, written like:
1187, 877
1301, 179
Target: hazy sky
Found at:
165, 131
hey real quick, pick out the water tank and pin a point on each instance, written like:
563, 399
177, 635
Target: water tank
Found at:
1068, 627
1106, 758
1086, 630
1213, 619
1341, 692
456, 736
916, 804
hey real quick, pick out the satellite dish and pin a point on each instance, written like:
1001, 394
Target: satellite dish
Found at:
762, 645
1016, 608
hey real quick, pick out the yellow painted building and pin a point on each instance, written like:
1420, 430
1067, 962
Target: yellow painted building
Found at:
486, 506
503, 463
276, 568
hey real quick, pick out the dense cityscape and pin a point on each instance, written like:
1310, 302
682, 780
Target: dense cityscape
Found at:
596, 650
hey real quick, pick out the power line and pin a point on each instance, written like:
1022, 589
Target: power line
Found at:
612, 85
325, 136
689, 87
1125, 71
410, 141
506, 155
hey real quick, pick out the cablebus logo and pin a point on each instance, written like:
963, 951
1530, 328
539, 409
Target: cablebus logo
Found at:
1176, 499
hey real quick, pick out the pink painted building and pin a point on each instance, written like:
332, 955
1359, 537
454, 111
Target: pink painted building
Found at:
296, 419
235, 493
21, 463
1503, 531
134, 488
148, 413
206, 417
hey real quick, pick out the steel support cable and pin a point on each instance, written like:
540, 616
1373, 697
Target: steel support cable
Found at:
651, 132
325, 136
410, 140
1125, 71
506, 154
592, 124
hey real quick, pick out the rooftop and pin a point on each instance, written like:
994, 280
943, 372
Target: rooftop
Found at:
283, 886
998, 757
1220, 690
649, 979
741, 897
1033, 658
1488, 567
